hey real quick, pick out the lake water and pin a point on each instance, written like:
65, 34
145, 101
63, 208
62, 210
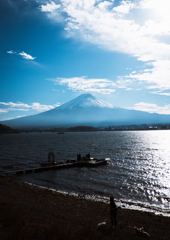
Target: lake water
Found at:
138, 174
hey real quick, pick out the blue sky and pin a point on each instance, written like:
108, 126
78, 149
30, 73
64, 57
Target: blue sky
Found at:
53, 51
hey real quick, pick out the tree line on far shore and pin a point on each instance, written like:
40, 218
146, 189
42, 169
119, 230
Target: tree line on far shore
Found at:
6, 129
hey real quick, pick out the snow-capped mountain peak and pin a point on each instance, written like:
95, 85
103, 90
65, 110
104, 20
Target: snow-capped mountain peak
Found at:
86, 110
85, 100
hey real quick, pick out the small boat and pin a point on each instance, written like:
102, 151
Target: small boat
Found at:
92, 162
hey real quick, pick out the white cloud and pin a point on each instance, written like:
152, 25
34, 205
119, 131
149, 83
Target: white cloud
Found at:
161, 6
123, 82
26, 56
25, 107
3, 111
129, 89
160, 93
157, 77
11, 104
18, 109
154, 28
11, 52
125, 28
21, 116
104, 5
104, 86
39, 107
152, 108
49, 7
125, 7
5, 119
22, 54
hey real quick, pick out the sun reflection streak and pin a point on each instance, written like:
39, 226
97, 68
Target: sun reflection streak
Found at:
157, 176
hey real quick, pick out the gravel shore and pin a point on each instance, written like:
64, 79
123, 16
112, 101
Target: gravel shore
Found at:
28, 213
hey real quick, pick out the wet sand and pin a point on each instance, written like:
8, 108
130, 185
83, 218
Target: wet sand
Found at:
28, 213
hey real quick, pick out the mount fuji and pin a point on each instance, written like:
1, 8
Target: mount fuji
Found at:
86, 110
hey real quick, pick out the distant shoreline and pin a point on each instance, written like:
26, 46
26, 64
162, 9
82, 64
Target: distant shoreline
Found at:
142, 127
67, 131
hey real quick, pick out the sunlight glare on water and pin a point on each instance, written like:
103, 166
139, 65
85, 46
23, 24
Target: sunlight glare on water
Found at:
137, 175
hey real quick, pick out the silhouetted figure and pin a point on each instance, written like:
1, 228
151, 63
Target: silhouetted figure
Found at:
78, 157
88, 156
113, 211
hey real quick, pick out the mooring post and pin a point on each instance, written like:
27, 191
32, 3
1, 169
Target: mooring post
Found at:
51, 154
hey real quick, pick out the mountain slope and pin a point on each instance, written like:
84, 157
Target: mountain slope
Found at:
86, 110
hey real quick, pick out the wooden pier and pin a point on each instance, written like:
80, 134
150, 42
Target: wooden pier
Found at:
40, 169
52, 165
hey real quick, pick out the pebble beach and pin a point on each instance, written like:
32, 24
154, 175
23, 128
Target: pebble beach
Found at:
29, 213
